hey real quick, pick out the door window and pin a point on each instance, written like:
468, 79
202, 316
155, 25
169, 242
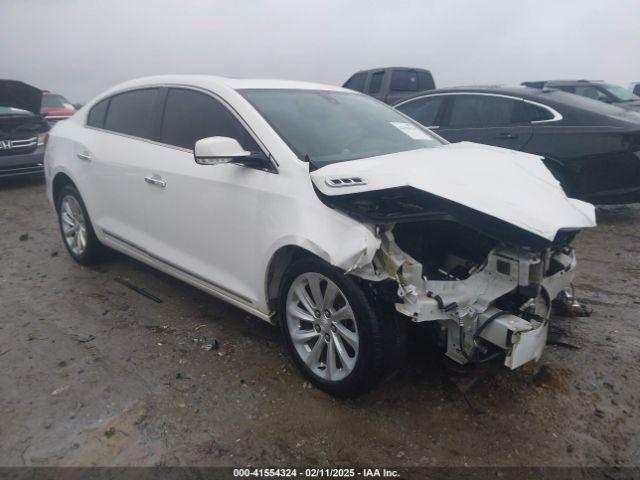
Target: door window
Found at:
133, 113
376, 82
423, 110
190, 116
404, 81
481, 111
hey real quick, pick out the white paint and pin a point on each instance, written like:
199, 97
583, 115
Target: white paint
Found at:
513, 186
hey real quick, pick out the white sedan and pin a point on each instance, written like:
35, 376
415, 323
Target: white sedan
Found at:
323, 210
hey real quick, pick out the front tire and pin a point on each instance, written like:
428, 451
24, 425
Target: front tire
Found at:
77, 231
330, 328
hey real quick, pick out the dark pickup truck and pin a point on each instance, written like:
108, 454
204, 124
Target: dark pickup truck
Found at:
23, 131
391, 84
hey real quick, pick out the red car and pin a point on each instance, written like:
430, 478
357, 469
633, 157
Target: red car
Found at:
55, 107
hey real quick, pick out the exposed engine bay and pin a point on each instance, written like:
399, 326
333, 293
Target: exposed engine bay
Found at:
489, 285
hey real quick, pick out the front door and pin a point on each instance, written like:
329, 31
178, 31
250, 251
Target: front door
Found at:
202, 217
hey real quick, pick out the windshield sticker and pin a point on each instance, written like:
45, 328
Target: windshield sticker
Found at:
411, 130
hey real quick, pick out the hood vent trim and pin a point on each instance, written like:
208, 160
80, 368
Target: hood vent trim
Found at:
345, 181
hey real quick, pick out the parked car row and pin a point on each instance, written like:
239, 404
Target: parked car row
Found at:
23, 131
592, 148
26, 116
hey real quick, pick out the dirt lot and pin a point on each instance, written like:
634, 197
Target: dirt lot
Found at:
92, 372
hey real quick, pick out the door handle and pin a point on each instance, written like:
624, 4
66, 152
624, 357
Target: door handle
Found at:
506, 135
156, 180
84, 156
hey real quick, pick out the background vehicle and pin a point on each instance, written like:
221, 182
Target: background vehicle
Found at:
635, 88
390, 84
23, 132
596, 90
55, 107
592, 148
282, 198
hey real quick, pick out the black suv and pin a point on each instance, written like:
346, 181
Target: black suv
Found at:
591, 147
391, 84
597, 90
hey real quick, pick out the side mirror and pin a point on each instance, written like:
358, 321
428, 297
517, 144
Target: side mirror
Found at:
216, 150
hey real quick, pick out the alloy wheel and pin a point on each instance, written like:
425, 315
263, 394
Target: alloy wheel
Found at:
322, 326
74, 226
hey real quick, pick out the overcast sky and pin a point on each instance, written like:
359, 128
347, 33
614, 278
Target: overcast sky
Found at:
81, 47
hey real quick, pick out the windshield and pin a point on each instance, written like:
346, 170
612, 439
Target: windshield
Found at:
621, 94
56, 101
330, 126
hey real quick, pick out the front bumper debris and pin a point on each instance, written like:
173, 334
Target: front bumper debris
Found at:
463, 306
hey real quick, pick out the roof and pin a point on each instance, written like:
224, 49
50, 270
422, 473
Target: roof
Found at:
550, 83
205, 81
499, 89
368, 70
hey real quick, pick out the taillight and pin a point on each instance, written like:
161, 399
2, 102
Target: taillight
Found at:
43, 138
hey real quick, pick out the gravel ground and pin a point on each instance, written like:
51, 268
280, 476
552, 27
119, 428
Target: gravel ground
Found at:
93, 373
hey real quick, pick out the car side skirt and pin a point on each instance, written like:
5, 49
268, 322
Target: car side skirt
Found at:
128, 248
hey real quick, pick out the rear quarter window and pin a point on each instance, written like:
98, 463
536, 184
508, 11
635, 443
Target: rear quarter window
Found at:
526, 113
97, 114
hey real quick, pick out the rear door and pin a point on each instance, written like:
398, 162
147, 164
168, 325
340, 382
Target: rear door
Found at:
486, 118
116, 156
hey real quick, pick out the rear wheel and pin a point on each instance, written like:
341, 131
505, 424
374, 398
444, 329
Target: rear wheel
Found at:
333, 333
75, 226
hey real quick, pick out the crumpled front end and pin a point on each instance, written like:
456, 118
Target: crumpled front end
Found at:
505, 301
477, 239
487, 298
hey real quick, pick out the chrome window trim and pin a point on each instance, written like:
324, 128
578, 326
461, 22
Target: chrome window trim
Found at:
209, 93
557, 116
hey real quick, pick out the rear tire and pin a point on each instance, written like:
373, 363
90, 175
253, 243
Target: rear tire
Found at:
76, 229
334, 335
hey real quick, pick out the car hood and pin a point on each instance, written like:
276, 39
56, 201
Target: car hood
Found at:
511, 186
20, 95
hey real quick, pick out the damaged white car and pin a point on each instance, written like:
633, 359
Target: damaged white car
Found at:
323, 210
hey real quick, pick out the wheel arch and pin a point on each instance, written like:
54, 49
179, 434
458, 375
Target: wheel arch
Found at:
60, 180
278, 263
